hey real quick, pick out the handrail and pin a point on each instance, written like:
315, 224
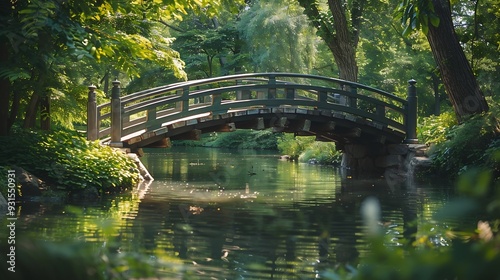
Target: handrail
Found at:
147, 109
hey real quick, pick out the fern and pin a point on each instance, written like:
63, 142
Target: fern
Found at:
13, 74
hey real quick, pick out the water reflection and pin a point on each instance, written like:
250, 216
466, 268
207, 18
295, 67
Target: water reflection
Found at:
261, 217
240, 214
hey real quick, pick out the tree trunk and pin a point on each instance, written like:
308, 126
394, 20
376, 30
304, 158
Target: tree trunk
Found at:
4, 92
456, 72
45, 112
343, 47
31, 111
5, 86
340, 36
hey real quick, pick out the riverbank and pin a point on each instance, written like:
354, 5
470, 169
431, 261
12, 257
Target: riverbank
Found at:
63, 163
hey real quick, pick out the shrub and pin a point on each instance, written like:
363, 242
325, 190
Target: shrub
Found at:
322, 152
433, 129
305, 148
68, 161
294, 146
468, 144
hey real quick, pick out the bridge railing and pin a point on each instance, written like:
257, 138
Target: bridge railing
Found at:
152, 110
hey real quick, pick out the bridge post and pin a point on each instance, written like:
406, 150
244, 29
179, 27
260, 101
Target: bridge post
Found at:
92, 129
353, 101
185, 99
116, 116
271, 93
411, 114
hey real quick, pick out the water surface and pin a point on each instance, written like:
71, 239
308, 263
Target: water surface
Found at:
237, 214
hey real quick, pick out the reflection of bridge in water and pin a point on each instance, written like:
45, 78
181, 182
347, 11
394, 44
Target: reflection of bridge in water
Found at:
265, 237
331, 109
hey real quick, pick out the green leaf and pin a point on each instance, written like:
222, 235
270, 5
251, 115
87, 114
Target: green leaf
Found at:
435, 20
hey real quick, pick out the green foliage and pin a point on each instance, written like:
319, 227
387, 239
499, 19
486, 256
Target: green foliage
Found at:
3, 184
417, 15
433, 129
239, 139
295, 48
69, 162
468, 144
321, 153
305, 149
294, 146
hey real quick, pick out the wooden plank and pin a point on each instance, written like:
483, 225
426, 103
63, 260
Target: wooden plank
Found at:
163, 143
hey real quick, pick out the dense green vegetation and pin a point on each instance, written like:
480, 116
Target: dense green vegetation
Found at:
456, 148
239, 139
306, 149
66, 161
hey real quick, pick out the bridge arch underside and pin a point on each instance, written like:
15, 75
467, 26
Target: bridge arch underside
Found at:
325, 125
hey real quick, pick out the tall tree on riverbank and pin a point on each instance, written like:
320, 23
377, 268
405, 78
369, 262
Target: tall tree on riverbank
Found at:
339, 32
434, 18
36, 36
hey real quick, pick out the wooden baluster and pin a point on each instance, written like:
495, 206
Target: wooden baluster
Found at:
92, 128
116, 116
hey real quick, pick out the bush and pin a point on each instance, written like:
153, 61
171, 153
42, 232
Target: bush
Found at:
293, 146
433, 129
471, 143
305, 148
68, 161
322, 153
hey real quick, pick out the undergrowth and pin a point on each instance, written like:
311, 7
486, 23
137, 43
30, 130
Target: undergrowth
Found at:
67, 161
473, 143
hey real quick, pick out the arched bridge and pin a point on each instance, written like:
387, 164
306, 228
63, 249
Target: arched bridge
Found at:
331, 109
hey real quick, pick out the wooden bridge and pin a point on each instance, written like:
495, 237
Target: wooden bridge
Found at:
328, 108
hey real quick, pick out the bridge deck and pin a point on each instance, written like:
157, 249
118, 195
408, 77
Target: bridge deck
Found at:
331, 109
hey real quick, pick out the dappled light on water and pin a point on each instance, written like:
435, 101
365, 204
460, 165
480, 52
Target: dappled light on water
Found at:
216, 214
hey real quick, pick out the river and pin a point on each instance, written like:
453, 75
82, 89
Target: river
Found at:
240, 214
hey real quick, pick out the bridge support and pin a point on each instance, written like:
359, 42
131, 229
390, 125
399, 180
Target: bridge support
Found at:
116, 118
92, 129
411, 118
390, 161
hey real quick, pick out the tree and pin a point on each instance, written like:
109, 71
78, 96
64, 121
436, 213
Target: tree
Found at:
36, 35
387, 60
278, 37
433, 17
477, 24
339, 32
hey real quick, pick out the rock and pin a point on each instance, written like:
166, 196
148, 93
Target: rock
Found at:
398, 149
419, 149
313, 161
142, 169
285, 157
389, 160
419, 164
30, 185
